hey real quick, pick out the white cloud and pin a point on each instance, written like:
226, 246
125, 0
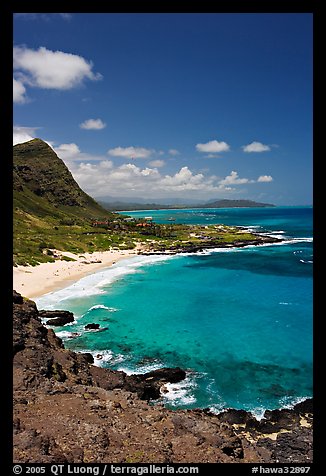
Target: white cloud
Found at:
234, 179
23, 134
130, 152
256, 147
265, 178
68, 151
93, 124
174, 152
100, 177
48, 69
104, 178
19, 91
213, 146
157, 163
71, 153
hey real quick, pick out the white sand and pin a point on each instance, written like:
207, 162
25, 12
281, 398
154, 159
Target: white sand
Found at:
34, 281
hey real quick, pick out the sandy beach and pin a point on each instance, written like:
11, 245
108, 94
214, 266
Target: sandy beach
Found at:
34, 281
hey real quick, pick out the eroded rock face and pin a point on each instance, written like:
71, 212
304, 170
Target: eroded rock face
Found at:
67, 410
57, 318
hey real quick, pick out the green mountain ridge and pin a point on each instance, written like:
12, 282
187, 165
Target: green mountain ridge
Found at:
51, 212
50, 209
42, 178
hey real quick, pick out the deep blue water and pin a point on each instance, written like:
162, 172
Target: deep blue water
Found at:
238, 320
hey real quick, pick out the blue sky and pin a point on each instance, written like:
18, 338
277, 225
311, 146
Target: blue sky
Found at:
197, 106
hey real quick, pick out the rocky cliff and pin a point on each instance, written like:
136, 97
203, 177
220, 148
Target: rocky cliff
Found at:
68, 410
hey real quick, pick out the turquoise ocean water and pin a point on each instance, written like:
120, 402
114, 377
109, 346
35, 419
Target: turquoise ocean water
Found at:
238, 320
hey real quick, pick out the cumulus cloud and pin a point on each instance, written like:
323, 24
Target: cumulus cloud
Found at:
213, 146
68, 151
19, 91
93, 124
104, 178
71, 153
100, 177
265, 178
130, 152
49, 69
23, 134
234, 179
157, 163
256, 147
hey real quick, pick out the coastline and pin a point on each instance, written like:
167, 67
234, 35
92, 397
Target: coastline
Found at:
35, 281
93, 409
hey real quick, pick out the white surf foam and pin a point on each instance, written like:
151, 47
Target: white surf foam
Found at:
102, 357
231, 249
259, 412
181, 393
290, 402
94, 283
142, 369
67, 334
101, 306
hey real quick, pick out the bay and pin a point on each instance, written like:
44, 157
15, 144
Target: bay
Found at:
238, 320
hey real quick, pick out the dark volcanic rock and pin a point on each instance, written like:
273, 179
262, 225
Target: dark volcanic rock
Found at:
234, 416
52, 314
88, 357
148, 386
290, 447
304, 407
67, 410
92, 325
57, 318
17, 298
59, 321
172, 375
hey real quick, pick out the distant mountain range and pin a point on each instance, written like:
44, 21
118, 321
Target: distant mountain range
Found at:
222, 203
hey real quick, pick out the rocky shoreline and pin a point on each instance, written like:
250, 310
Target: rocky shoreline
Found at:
190, 247
68, 410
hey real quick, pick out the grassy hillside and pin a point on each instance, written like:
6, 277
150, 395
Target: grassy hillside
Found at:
38, 169
51, 210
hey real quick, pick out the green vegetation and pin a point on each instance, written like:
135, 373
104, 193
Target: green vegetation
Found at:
50, 209
191, 237
67, 258
52, 212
